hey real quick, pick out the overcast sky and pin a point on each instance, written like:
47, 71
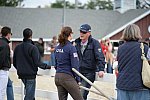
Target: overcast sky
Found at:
42, 3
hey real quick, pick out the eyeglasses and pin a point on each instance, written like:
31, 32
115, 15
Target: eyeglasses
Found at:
83, 32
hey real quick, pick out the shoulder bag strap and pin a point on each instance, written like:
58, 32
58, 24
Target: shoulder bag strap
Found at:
143, 54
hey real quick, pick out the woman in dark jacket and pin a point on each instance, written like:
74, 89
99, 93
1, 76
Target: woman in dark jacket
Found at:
66, 59
129, 80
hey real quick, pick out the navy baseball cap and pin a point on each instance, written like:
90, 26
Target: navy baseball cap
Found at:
85, 28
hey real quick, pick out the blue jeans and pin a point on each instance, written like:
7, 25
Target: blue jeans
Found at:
52, 60
29, 88
133, 95
91, 77
9, 91
109, 67
3, 83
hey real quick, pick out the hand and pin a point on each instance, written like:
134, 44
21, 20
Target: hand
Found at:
101, 74
79, 83
48, 67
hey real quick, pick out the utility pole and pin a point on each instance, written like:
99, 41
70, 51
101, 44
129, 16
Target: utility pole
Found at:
63, 16
76, 4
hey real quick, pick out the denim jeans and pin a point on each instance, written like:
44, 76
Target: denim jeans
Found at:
9, 91
109, 67
91, 77
3, 83
30, 85
133, 95
52, 60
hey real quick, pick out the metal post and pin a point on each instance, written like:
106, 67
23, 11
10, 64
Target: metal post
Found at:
63, 16
76, 4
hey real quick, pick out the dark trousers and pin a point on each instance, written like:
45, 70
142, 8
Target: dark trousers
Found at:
29, 88
91, 77
67, 84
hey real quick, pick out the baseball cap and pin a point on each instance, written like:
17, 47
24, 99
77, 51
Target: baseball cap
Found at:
85, 28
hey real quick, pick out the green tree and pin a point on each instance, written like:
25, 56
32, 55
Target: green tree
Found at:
57, 4
90, 5
99, 4
60, 4
10, 3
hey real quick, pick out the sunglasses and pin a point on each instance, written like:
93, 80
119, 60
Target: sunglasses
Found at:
83, 32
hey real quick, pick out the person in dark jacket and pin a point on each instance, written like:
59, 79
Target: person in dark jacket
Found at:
129, 80
40, 46
26, 60
5, 60
90, 57
66, 59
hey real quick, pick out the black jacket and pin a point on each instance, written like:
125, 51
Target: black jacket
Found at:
40, 48
26, 60
5, 61
92, 57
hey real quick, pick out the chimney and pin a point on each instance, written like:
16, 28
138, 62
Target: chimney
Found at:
124, 5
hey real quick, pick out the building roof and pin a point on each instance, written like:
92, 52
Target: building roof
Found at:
47, 22
127, 18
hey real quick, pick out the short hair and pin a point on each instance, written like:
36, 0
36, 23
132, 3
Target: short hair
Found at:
27, 33
5, 30
41, 39
54, 37
131, 32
